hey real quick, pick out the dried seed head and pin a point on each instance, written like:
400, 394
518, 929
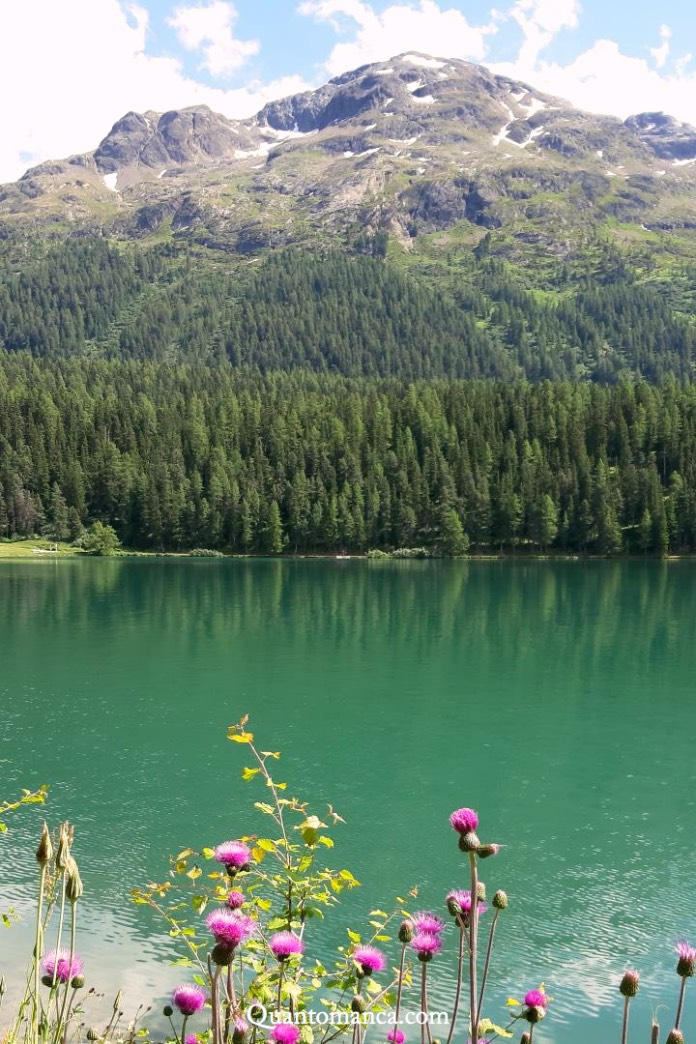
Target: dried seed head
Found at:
675, 1036
500, 900
64, 841
629, 983
44, 853
485, 851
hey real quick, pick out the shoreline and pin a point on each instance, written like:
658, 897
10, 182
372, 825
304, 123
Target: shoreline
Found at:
24, 550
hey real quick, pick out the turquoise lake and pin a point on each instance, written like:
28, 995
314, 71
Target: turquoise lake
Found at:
557, 698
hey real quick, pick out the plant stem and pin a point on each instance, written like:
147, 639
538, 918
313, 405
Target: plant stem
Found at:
60, 929
73, 931
473, 939
38, 947
215, 1003
280, 985
183, 1029
231, 1001
460, 975
655, 1034
624, 1027
487, 964
680, 1006
425, 1027
400, 987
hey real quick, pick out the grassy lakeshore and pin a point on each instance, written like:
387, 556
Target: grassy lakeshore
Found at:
37, 548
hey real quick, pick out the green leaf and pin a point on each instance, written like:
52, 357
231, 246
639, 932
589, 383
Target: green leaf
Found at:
486, 1026
353, 936
249, 773
239, 737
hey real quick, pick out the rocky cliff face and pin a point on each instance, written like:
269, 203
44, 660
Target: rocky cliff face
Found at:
410, 147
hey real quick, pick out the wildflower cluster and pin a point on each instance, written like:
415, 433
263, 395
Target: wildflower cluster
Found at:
246, 927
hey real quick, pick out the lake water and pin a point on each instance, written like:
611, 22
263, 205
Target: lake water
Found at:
557, 698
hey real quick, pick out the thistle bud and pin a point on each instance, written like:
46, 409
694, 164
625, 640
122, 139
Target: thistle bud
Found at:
480, 892
675, 1036
222, 955
525, 1038
533, 1014
47, 980
406, 932
629, 983
2, 987
44, 853
239, 1033
77, 982
358, 1004
500, 900
93, 1034
167, 1011
486, 851
74, 888
469, 842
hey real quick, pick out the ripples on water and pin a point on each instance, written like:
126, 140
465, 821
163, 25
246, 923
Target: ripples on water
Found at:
555, 697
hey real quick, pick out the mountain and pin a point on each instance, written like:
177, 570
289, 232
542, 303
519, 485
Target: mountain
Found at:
416, 218
408, 148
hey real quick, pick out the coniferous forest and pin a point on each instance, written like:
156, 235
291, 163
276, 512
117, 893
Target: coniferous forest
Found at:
308, 404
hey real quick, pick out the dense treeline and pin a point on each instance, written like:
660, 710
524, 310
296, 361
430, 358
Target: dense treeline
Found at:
192, 455
356, 316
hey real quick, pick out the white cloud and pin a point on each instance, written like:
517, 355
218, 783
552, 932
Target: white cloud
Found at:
401, 27
603, 79
210, 29
541, 21
71, 68
661, 54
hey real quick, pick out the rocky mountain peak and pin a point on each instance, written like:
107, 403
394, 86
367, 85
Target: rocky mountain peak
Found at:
665, 136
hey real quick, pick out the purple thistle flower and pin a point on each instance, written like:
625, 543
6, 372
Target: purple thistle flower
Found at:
687, 959
188, 998
285, 944
459, 904
427, 922
191, 1039
464, 820
240, 1030
58, 965
396, 1036
233, 853
536, 999
425, 946
230, 927
285, 1033
235, 899
370, 959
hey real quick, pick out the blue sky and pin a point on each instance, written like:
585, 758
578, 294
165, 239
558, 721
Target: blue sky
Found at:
70, 68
